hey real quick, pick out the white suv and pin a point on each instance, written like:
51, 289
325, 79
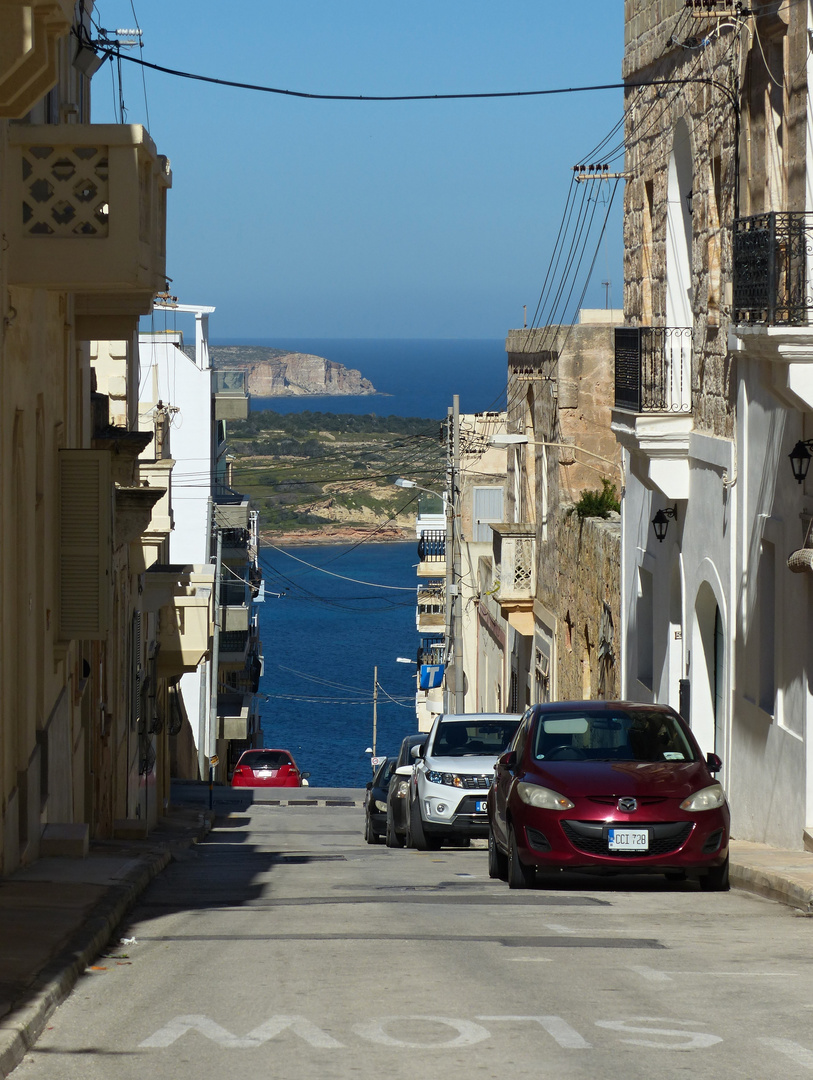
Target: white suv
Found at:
451, 778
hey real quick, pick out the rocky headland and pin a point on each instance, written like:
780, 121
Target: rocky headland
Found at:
276, 373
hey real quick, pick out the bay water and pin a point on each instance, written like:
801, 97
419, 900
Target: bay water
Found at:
327, 625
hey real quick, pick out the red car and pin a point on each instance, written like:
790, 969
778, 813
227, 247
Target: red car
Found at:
613, 787
267, 768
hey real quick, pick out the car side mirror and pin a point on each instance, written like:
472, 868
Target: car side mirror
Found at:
369, 785
713, 763
305, 775
404, 770
416, 752
508, 759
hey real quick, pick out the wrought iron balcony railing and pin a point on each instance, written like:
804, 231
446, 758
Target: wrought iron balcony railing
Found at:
653, 369
772, 256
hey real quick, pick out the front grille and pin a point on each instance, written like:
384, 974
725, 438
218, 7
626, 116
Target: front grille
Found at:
591, 837
470, 783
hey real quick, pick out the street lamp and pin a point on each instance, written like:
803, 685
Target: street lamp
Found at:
515, 439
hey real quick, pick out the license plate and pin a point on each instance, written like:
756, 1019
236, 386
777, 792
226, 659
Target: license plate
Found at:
480, 806
628, 840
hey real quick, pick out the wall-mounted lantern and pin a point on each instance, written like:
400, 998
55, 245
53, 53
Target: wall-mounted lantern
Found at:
660, 522
800, 459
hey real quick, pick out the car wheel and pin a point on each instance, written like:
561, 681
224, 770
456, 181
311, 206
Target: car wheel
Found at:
369, 833
497, 861
417, 836
716, 880
520, 876
393, 839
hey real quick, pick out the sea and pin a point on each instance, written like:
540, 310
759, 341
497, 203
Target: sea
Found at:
333, 614
413, 377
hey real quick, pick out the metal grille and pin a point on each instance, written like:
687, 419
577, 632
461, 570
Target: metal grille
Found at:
523, 565
771, 272
597, 845
653, 369
432, 545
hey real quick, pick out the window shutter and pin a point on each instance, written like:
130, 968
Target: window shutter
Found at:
487, 508
85, 544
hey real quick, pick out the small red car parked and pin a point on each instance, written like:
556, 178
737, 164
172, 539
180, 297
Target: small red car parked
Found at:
613, 787
267, 768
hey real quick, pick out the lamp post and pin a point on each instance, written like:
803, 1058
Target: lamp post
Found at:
515, 439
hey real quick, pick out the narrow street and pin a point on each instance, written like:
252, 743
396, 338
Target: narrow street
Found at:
285, 946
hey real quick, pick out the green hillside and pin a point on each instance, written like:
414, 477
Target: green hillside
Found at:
318, 472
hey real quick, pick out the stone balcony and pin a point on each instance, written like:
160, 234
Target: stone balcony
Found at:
515, 571
183, 598
30, 34
85, 212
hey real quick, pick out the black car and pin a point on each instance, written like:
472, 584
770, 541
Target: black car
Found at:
398, 793
375, 801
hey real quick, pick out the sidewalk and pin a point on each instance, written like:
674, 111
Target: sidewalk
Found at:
59, 914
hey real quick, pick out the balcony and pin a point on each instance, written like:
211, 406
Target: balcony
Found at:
230, 393
233, 649
30, 33
234, 547
653, 401
234, 716
515, 570
772, 255
431, 612
653, 369
233, 510
182, 597
432, 553
85, 212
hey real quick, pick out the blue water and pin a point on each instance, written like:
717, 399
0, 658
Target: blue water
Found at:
420, 376
322, 640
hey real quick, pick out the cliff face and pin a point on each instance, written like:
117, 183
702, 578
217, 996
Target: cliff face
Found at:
274, 373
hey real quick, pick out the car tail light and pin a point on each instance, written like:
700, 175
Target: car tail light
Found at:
241, 770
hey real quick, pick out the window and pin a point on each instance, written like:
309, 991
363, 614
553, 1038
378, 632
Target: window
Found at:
487, 508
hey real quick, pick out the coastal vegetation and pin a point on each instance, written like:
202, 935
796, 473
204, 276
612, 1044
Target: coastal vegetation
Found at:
317, 476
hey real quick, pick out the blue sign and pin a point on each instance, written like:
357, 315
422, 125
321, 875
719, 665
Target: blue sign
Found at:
431, 676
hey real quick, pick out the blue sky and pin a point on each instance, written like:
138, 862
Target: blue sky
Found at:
369, 219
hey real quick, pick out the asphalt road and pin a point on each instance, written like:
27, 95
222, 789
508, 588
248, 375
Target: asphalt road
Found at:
284, 946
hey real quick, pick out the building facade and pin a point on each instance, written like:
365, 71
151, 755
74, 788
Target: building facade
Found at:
712, 391
82, 215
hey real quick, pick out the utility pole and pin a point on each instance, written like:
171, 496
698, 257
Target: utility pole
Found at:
454, 691
459, 693
375, 705
211, 742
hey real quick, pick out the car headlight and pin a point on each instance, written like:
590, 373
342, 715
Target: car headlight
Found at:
708, 798
402, 790
450, 779
543, 798
382, 806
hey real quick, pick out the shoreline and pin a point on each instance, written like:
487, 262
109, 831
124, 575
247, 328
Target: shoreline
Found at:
392, 534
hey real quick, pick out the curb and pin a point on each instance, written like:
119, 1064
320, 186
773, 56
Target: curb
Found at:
773, 886
21, 1028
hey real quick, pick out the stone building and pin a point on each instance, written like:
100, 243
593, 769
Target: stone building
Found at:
82, 217
713, 390
549, 589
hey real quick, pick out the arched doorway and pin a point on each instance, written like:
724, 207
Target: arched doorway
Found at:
708, 672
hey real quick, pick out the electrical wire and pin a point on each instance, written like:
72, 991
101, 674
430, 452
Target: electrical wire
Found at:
342, 577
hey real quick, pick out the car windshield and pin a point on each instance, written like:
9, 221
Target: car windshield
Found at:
461, 738
265, 759
637, 735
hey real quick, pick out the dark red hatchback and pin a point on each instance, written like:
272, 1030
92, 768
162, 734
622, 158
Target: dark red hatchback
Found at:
613, 787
